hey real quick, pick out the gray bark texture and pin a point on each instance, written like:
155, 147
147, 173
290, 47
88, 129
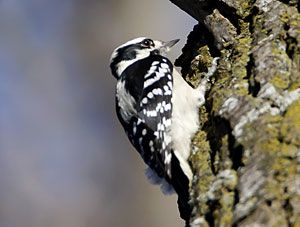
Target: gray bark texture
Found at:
246, 155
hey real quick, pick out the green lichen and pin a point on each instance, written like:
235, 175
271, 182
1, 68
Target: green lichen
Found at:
283, 168
243, 7
288, 150
258, 137
290, 129
290, 17
225, 214
199, 66
201, 163
276, 138
201, 159
272, 141
281, 81
233, 69
291, 20
241, 51
224, 154
220, 91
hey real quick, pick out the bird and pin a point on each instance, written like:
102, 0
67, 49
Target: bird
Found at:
159, 112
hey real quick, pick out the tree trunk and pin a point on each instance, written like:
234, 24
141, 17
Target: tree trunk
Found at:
246, 156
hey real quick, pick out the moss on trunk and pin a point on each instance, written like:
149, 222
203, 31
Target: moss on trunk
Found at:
246, 156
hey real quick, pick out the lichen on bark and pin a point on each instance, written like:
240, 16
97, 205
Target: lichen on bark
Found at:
246, 155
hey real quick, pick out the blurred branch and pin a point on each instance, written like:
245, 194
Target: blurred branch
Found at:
247, 157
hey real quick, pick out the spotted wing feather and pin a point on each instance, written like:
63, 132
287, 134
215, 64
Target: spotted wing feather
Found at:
155, 109
148, 128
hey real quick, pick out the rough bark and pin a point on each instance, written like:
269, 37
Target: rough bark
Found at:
246, 156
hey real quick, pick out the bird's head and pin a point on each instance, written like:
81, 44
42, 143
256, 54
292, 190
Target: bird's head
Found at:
135, 50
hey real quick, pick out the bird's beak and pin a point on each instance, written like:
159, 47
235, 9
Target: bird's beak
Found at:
167, 45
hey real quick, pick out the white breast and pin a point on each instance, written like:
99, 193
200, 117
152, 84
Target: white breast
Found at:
185, 120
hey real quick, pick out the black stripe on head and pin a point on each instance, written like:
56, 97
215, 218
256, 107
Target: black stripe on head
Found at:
129, 52
123, 53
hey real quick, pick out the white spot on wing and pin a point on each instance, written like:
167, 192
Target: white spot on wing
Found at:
144, 132
158, 106
145, 100
151, 113
157, 91
167, 107
164, 65
162, 70
167, 90
163, 145
168, 158
134, 129
150, 95
139, 121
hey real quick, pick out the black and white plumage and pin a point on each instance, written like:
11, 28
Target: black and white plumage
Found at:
159, 112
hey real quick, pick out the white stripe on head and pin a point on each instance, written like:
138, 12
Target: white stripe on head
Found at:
130, 42
133, 41
140, 54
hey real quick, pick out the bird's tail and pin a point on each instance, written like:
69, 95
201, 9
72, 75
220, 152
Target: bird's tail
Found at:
180, 183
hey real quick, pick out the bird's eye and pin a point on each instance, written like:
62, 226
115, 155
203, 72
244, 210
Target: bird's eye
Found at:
147, 43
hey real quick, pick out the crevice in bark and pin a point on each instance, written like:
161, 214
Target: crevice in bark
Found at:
254, 86
236, 152
199, 37
229, 13
209, 217
236, 196
285, 1
288, 211
288, 208
216, 128
219, 131
290, 2
291, 44
262, 51
254, 11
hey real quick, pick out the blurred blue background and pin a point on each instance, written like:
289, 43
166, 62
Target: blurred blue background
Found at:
64, 159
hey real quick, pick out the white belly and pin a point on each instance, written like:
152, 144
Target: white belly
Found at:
185, 119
